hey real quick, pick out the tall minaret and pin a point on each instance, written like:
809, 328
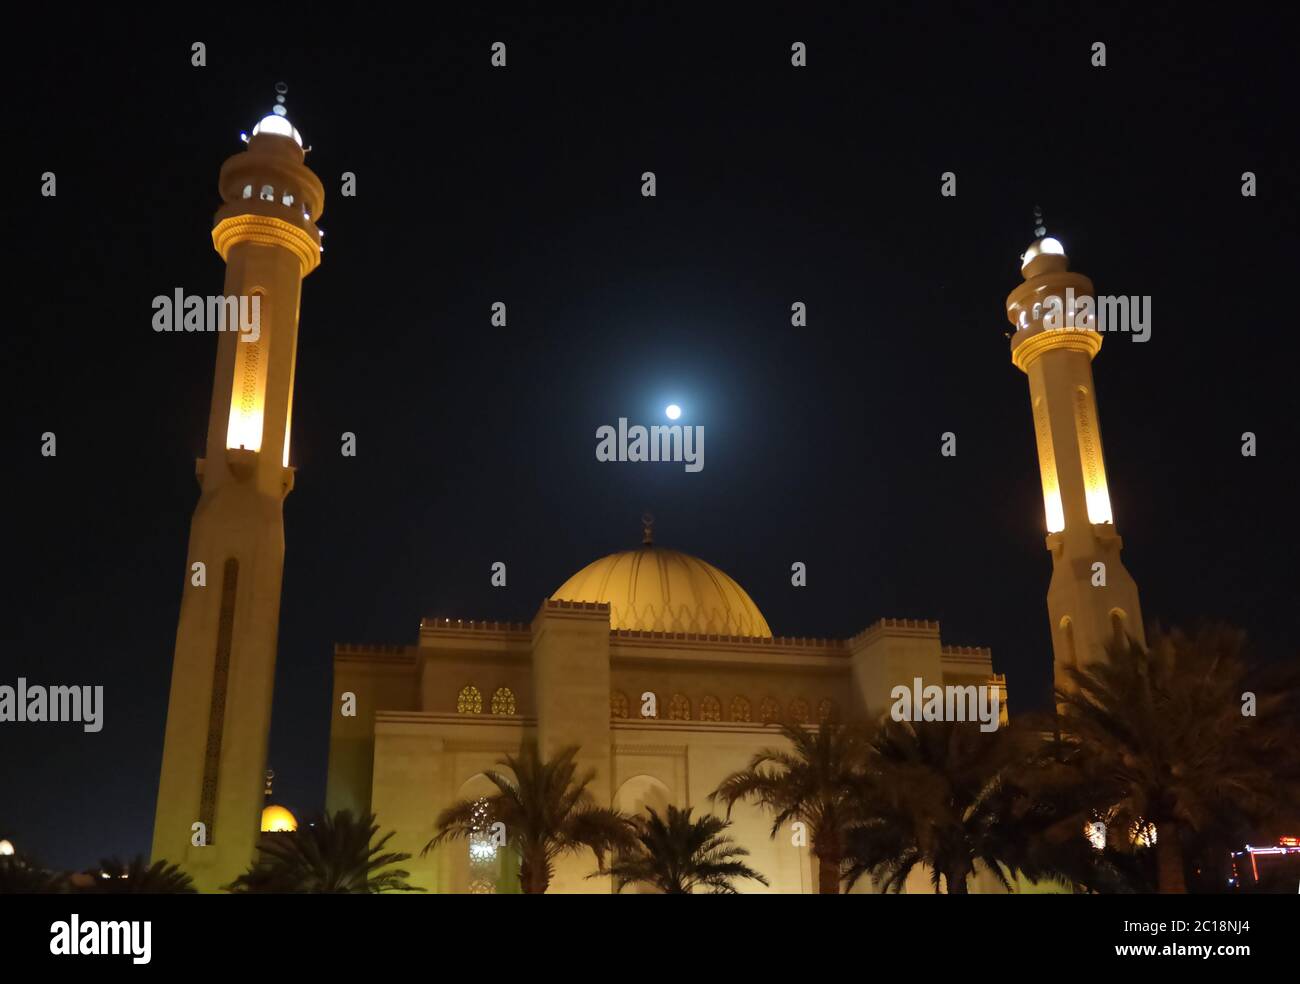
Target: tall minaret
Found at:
223, 671
1054, 345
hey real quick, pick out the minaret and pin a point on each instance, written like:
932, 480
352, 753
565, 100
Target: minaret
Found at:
223, 671
1054, 344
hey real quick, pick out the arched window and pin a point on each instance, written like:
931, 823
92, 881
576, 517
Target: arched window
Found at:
268, 193
482, 851
826, 711
1118, 631
1067, 637
799, 711
618, 704
469, 701
287, 198
248, 191
740, 709
768, 710
503, 701
679, 708
710, 709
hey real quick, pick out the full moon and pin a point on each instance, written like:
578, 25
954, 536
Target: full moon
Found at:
673, 411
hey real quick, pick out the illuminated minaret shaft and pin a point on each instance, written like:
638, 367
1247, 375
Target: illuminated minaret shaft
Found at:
1054, 345
223, 671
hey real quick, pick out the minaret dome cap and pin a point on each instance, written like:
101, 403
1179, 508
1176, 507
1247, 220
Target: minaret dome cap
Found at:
1045, 255
278, 125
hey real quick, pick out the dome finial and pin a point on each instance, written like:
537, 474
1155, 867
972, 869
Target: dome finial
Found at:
281, 90
1040, 227
647, 530
270, 776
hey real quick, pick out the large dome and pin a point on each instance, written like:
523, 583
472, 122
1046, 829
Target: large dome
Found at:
657, 590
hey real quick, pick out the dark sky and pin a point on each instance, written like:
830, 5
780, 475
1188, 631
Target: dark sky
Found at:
476, 444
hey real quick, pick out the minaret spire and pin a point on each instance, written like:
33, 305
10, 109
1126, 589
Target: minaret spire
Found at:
1092, 600
210, 792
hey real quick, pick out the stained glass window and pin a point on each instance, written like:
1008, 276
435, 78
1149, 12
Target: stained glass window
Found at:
618, 704
503, 701
679, 708
469, 701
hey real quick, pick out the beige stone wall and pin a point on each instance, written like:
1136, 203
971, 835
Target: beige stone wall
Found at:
381, 678
423, 763
423, 755
690, 760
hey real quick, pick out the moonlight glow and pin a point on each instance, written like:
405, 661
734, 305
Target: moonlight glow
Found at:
673, 411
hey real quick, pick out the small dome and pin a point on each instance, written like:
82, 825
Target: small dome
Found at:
657, 590
1042, 247
278, 125
277, 820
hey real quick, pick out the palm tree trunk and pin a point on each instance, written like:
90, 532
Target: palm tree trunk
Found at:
1170, 879
956, 883
534, 879
828, 875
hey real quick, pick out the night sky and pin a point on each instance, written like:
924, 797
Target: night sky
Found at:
476, 444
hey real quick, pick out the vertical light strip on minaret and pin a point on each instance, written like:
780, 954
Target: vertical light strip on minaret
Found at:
248, 392
1052, 508
1094, 468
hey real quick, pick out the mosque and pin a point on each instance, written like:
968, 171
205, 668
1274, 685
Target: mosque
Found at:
656, 664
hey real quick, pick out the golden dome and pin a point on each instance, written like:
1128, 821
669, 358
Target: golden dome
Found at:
657, 590
276, 820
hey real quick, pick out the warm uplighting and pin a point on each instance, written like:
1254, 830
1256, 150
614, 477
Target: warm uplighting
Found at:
1143, 834
1052, 509
1095, 492
1098, 504
1095, 831
278, 820
247, 394
6, 848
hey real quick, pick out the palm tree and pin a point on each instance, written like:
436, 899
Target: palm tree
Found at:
333, 855
677, 854
1164, 735
138, 878
945, 795
546, 812
812, 783
18, 876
